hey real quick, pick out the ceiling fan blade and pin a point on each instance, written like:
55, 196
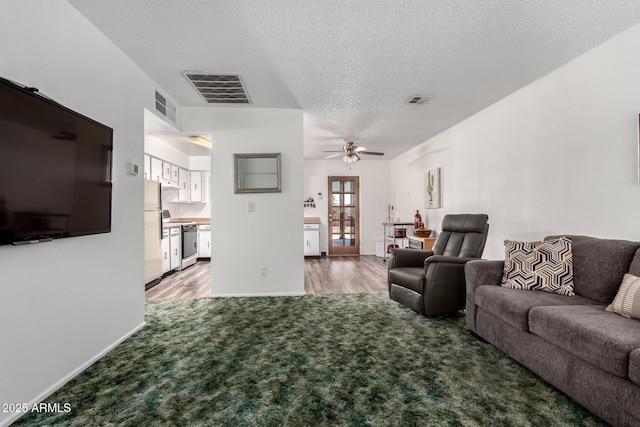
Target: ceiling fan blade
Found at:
372, 153
333, 151
333, 155
357, 149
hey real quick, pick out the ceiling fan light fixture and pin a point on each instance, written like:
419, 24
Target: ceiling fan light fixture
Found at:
349, 159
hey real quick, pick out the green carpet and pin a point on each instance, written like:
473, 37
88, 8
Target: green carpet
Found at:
307, 361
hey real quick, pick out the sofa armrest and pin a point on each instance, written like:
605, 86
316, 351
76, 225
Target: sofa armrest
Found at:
479, 273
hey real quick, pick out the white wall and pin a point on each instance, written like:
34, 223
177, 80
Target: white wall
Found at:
157, 147
558, 156
375, 195
272, 236
63, 303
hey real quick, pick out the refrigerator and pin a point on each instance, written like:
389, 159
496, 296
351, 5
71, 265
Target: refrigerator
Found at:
152, 231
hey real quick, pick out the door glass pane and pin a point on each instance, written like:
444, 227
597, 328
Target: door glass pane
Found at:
350, 214
337, 240
335, 200
336, 186
349, 199
349, 187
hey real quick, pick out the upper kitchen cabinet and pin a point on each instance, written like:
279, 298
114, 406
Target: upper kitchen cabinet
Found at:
166, 171
156, 169
195, 187
183, 185
174, 176
147, 166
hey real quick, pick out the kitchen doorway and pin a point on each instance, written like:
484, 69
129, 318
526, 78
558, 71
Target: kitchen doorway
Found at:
344, 215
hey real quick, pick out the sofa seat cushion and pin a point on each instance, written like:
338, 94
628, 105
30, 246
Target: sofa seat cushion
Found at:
408, 277
513, 305
634, 366
590, 333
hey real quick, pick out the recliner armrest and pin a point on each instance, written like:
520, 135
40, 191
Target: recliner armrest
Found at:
408, 258
447, 259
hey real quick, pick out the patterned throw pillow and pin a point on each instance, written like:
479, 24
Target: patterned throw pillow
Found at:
627, 301
543, 266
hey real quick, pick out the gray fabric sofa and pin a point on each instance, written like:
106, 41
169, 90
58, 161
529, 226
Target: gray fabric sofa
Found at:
570, 341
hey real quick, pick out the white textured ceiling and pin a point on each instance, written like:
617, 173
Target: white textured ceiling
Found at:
351, 65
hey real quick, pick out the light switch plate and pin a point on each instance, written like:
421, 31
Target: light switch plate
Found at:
133, 169
252, 206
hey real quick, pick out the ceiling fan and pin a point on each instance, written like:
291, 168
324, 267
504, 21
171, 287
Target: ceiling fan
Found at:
351, 152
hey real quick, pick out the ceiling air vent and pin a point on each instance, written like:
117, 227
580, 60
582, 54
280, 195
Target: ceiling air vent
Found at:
219, 88
419, 99
165, 107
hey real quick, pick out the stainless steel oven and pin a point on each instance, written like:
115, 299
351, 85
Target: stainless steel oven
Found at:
189, 245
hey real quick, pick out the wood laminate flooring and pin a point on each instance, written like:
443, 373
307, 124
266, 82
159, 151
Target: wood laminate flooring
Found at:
326, 275
345, 275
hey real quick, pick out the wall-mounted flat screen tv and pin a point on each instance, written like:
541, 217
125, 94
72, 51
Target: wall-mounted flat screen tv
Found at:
55, 169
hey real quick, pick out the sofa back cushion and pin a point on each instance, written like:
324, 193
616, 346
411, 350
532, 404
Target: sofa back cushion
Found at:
599, 265
635, 264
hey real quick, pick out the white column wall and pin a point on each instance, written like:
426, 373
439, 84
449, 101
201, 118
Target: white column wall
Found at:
272, 236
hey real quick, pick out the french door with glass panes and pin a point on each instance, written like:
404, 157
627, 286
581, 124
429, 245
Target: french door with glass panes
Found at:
344, 215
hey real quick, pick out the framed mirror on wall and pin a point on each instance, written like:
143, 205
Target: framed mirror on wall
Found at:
257, 173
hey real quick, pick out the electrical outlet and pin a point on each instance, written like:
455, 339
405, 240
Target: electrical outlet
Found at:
252, 206
263, 270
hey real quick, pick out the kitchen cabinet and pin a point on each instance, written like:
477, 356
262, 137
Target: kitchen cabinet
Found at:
167, 177
174, 176
183, 185
312, 240
147, 166
195, 186
176, 250
166, 171
204, 241
156, 169
166, 252
192, 186
171, 250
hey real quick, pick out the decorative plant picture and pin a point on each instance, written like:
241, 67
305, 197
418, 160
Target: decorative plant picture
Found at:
432, 199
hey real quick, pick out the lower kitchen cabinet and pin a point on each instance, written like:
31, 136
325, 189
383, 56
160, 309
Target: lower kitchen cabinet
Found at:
171, 250
204, 241
312, 240
166, 251
176, 250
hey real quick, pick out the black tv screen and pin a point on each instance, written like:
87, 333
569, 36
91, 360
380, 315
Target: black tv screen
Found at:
55, 169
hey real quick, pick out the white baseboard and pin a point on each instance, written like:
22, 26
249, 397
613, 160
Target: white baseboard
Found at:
48, 392
270, 294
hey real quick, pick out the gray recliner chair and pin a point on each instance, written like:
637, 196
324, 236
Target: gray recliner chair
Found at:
432, 282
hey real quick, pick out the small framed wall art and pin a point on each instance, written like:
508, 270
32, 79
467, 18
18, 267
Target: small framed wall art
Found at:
432, 189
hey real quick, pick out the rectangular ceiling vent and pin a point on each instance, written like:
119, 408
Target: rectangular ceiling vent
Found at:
219, 88
419, 99
165, 107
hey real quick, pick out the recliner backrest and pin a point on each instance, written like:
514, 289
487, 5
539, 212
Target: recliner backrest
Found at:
462, 235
